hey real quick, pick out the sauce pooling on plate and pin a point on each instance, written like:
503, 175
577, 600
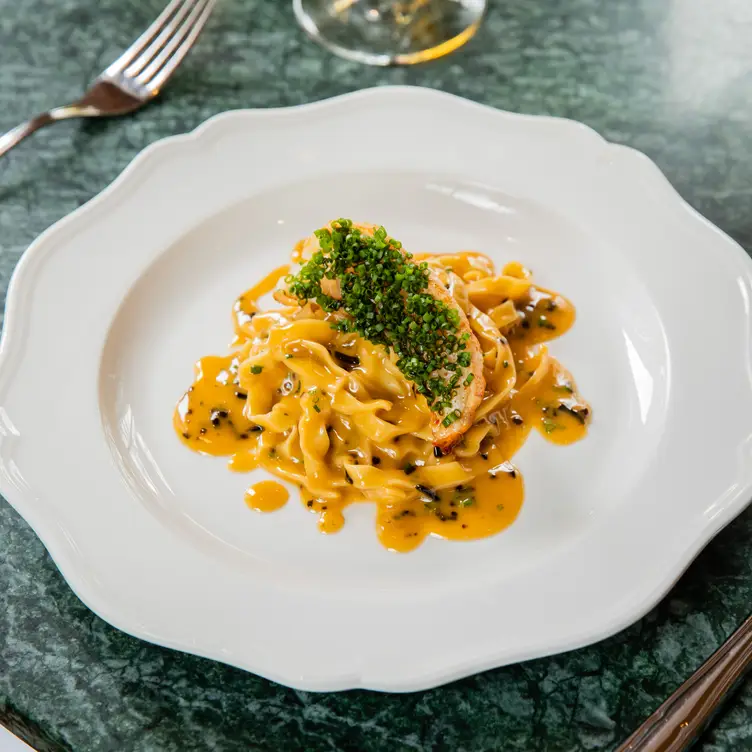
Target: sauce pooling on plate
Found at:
332, 413
266, 496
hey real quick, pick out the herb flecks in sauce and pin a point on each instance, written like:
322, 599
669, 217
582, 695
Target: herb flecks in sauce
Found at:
481, 507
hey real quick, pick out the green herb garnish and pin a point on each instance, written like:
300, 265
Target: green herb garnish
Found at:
451, 418
256, 369
549, 426
463, 496
384, 294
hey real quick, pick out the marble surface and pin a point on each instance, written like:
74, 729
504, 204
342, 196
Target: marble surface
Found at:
672, 78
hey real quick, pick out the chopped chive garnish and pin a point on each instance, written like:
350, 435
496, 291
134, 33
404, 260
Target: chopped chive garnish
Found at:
384, 293
451, 418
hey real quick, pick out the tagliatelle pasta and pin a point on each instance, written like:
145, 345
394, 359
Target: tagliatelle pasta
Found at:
335, 414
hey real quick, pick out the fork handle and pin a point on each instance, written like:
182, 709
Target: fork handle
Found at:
20, 132
681, 718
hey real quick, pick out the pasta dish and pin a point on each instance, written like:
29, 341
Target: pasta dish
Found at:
407, 381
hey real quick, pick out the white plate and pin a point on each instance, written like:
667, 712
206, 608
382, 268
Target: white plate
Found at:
109, 309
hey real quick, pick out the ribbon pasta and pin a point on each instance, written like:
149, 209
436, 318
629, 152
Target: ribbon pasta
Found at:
332, 414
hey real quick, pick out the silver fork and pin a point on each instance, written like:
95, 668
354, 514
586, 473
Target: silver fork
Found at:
136, 77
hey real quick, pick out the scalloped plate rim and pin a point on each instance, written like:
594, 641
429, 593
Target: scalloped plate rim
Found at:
16, 320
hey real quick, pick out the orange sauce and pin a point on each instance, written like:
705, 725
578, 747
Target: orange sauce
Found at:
210, 419
266, 496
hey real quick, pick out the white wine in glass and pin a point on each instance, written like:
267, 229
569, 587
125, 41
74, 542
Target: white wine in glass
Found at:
390, 32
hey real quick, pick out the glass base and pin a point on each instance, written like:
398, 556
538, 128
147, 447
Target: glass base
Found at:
390, 32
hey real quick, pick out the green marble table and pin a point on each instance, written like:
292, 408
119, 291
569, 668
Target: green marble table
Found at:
670, 77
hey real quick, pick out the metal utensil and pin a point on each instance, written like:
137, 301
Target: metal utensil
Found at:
137, 76
681, 718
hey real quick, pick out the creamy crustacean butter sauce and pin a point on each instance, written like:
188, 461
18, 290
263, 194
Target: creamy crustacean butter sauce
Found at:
329, 411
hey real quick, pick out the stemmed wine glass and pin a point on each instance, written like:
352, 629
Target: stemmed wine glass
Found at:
390, 32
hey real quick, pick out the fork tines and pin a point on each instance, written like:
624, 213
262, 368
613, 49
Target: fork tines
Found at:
156, 54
